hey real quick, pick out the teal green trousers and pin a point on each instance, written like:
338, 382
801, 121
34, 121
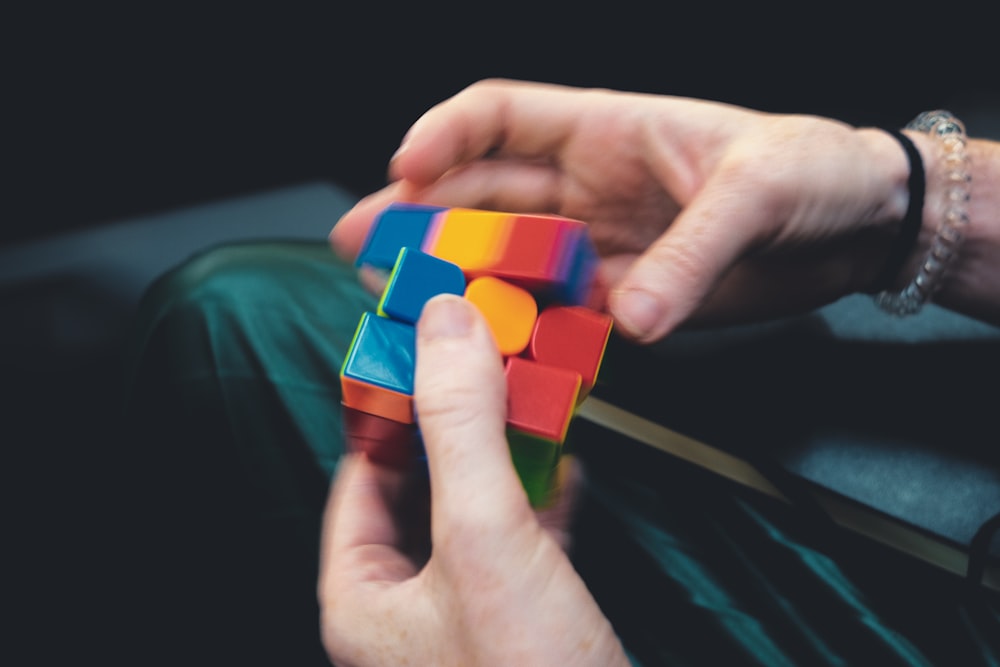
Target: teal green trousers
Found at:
233, 426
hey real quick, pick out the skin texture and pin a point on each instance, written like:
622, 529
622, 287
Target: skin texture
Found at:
497, 584
699, 210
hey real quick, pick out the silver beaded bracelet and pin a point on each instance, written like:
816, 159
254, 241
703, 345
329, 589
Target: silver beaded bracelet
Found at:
944, 248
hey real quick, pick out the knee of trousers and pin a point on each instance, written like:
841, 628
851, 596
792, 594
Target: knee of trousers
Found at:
259, 330
287, 309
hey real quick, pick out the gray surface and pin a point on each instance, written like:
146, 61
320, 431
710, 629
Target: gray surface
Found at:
897, 414
70, 298
125, 256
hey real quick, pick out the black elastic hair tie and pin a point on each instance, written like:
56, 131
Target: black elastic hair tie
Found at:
910, 227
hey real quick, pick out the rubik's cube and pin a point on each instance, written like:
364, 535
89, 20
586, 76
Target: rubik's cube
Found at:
530, 276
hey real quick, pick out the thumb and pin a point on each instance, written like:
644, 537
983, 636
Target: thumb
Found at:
674, 276
460, 397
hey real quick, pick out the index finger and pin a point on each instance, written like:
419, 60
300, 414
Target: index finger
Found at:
529, 120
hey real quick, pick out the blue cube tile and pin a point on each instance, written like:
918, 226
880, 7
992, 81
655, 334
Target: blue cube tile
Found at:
416, 277
399, 225
383, 353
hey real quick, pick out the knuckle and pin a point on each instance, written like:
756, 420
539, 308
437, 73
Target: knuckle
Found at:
444, 404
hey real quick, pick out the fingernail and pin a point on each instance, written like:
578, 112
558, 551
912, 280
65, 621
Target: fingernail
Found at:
637, 311
446, 317
404, 142
399, 151
392, 172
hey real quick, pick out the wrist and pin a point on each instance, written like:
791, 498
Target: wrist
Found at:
934, 200
972, 285
948, 181
932, 206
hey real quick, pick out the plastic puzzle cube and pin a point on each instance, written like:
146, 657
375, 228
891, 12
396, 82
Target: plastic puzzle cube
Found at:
530, 275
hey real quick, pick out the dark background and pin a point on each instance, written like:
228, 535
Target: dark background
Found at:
119, 109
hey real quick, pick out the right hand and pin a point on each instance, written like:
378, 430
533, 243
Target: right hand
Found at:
496, 587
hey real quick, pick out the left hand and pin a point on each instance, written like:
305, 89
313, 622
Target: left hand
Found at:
699, 210
497, 587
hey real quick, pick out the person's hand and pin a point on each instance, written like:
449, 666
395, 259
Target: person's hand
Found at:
497, 587
697, 208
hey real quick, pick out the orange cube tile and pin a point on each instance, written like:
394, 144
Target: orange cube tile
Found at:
376, 400
509, 310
